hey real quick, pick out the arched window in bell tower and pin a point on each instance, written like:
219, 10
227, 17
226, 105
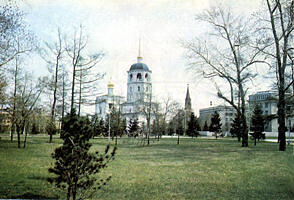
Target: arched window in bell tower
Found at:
139, 76
146, 75
138, 88
131, 76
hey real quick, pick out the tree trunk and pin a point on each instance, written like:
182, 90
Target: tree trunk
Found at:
63, 95
50, 137
244, 126
18, 130
281, 60
54, 96
73, 89
74, 193
68, 193
14, 100
281, 120
25, 139
12, 131
80, 91
244, 131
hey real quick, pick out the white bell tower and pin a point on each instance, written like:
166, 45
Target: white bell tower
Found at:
139, 81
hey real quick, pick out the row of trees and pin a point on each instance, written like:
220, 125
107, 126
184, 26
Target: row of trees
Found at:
76, 167
72, 82
19, 92
236, 44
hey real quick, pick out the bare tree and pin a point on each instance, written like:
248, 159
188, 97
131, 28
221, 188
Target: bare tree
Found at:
144, 107
63, 90
87, 80
53, 54
226, 57
170, 108
14, 36
158, 122
23, 101
83, 71
3, 86
16, 78
275, 42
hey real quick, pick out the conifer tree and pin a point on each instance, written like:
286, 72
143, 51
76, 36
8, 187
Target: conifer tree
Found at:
215, 124
193, 126
124, 125
170, 128
133, 126
99, 128
257, 124
236, 127
205, 127
76, 169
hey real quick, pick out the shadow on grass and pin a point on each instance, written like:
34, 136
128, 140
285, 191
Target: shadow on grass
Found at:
41, 178
33, 196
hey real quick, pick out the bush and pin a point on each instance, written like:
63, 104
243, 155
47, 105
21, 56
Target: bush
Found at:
51, 128
75, 168
34, 129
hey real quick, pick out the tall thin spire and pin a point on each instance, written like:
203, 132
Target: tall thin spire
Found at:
188, 106
139, 58
139, 53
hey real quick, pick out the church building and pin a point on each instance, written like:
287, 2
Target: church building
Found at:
105, 103
139, 95
139, 92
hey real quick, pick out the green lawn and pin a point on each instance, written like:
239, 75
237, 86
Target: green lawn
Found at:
195, 169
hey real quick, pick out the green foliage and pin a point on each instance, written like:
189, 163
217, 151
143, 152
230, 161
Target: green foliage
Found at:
34, 129
179, 122
75, 168
50, 128
205, 127
124, 125
4, 127
117, 123
236, 127
133, 127
193, 126
99, 127
171, 128
180, 128
215, 124
154, 127
257, 124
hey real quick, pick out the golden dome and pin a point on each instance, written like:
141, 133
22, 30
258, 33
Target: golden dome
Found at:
110, 84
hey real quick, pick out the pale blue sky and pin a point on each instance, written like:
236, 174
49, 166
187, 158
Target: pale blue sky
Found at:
114, 26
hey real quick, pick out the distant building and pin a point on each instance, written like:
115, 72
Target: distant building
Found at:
5, 121
268, 100
106, 102
226, 113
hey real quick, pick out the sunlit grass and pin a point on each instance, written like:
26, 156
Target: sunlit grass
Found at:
195, 169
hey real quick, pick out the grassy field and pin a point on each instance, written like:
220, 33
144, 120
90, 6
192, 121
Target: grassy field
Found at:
195, 169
